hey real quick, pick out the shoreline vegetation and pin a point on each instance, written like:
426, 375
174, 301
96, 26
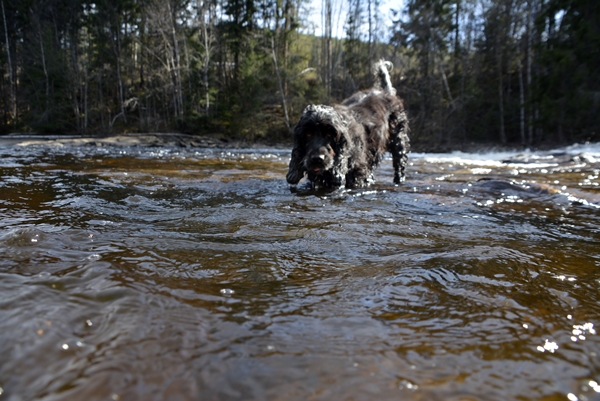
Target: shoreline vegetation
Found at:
134, 139
471, 73
179, 140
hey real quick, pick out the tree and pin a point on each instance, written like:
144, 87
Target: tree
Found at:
425, 32
569, 80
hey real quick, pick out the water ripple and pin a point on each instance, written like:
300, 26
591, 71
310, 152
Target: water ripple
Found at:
136, 273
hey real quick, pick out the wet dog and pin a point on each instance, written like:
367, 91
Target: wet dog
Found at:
340, 145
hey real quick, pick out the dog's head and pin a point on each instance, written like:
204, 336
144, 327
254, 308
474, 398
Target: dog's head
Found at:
319, 139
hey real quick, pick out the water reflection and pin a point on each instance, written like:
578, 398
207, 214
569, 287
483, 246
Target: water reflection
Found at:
133, 273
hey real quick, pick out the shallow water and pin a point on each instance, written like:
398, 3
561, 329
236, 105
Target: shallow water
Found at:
166, 274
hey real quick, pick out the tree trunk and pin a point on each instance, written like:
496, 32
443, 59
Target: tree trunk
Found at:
13, 100
285, 111
47, 80
327, 38
101, 99
75, 79
370, 37
205, 68
529, 58
119, 78
85, 102
456, 39
176, 65
522, 100
500, 93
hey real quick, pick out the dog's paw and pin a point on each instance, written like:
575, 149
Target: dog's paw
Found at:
399, 179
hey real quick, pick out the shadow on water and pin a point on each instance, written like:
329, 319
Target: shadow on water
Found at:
134, 273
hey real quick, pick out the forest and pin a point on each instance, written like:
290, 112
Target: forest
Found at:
513, 72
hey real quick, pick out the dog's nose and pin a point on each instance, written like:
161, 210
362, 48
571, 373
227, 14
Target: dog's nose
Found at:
319, 157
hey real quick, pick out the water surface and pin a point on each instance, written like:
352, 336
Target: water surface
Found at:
132, 273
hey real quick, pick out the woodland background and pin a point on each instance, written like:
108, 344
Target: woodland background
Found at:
520, 72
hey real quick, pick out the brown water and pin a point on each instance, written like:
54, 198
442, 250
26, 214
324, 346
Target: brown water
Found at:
168, 274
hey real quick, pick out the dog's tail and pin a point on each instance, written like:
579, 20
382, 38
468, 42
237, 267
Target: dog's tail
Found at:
382, 77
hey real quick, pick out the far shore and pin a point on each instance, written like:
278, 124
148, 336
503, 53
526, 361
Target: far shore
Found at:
217, 142
137, 139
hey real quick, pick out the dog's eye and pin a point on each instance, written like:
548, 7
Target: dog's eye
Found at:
309, 134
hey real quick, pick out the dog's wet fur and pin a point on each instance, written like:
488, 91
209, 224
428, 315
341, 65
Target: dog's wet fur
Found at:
340, 145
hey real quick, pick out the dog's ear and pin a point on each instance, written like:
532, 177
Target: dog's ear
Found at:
343, 125
296, 168
343, 148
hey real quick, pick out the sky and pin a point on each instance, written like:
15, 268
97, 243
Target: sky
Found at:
340, 10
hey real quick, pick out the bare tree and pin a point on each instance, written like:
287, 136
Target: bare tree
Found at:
206, 19
283, 101
13, 98
327, 17
521, 102
165, 50
500, 93
529, 58
176, 63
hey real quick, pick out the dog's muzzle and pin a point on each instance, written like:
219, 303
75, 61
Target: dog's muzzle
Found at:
319, 160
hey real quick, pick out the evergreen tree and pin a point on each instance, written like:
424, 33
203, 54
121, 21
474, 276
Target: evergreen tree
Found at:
569, 83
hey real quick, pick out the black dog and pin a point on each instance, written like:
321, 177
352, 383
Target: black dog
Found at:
340, 145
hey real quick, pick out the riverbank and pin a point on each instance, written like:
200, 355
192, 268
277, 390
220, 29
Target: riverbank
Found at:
216, 142
144, 139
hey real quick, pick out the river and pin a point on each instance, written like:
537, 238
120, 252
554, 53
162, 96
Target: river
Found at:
162, 273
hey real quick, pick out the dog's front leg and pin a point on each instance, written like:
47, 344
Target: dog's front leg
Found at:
399, 160
339, 172
359, 177
399, 145
296, 168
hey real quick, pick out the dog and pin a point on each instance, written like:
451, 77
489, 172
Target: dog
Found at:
339, 146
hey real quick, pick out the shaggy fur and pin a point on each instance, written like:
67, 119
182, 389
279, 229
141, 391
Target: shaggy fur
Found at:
341, 145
